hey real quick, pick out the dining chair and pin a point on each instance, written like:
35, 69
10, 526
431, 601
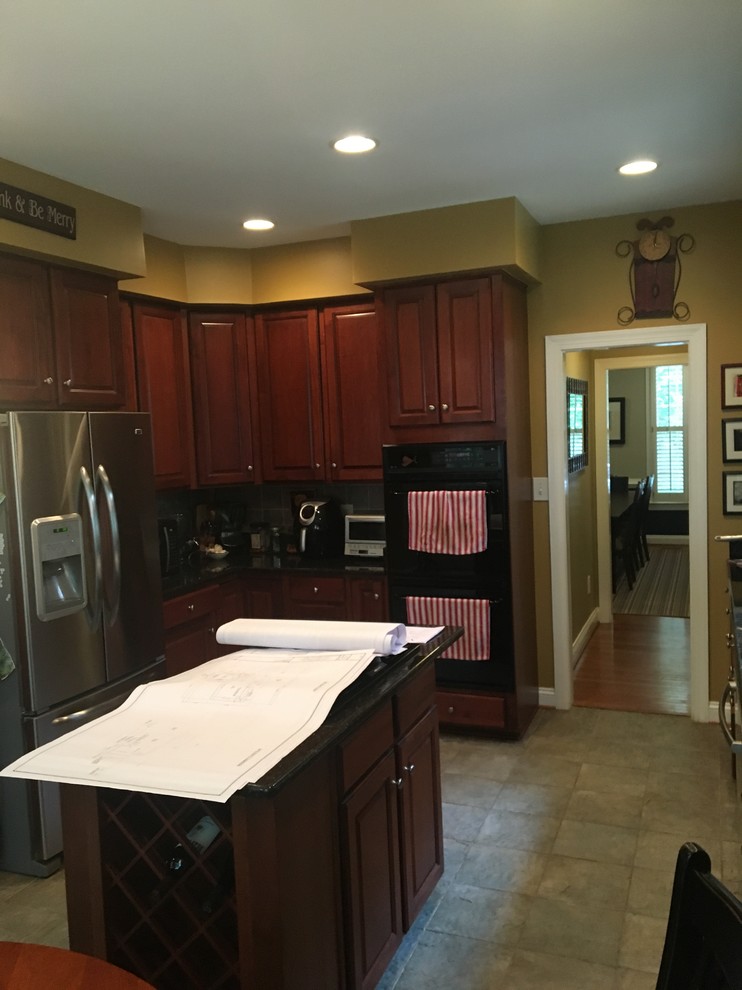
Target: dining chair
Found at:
643, 545
703, 939
625, 552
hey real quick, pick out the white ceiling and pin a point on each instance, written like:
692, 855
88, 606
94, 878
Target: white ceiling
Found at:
204, 112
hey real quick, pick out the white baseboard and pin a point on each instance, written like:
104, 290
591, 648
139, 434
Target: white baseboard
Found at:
583, 636
546, 697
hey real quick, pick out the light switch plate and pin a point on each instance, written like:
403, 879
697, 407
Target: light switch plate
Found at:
540, 489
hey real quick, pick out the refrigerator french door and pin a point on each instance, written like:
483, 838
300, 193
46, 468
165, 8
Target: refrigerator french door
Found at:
81, 609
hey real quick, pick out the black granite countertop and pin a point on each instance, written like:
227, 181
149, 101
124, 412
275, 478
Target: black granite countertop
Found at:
379, 681
203, 570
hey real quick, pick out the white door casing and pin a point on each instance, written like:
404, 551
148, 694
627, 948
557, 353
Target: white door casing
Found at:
557, 346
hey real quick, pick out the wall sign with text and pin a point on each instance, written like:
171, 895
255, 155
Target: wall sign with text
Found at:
37, 211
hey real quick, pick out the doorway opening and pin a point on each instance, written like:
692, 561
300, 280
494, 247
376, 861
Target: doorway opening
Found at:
557, 347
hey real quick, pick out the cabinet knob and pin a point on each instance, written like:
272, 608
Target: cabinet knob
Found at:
191, 608
376, 596
315, 590
730, 641
48, 381
334, 464
249, 467
211, 630
317, 466
398, 782
410, 768
67, 382
431, 407
444, 407
450, 709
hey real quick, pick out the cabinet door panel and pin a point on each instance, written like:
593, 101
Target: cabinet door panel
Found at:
465, 351
368, 600
315, 597
27, 371
352, 388
189, 645
87, 336
289, 396
223, 368
372, 853
163, 384
410, 341
421, 820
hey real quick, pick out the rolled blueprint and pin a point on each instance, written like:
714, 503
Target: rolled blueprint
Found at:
300, 634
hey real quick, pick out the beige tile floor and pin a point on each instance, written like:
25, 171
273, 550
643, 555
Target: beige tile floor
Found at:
560, 851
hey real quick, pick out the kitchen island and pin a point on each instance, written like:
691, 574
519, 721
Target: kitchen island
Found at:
318, 868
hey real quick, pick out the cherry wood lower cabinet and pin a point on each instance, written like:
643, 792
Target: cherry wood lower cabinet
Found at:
191, 622
392, 836
332, 858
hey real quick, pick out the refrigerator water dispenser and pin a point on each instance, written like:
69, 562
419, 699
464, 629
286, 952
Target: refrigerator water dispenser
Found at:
59, 568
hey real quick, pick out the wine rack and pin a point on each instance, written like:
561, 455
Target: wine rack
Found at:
185, 938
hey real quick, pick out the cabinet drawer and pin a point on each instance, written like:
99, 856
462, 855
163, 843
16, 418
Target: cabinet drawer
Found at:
459, 708
328, 590
366, 746
414, 699
191, 606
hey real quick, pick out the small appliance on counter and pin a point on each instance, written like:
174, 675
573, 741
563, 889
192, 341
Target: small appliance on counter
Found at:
320, 529
365, 535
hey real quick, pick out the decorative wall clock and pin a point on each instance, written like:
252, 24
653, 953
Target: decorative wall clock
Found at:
654, 275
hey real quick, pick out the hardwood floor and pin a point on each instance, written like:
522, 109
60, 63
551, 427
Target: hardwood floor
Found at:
637, 663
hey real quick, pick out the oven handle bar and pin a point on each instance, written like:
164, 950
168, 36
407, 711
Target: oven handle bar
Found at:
726, 695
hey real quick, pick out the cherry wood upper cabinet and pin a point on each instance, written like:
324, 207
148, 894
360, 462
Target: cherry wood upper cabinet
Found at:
411, 354
289, 396
87, 337
444, 353
352, 386
164, 390
27, 369
60, 335
224, 380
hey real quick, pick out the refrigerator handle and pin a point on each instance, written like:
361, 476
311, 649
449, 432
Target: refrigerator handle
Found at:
87, 493
73, 719
113, 522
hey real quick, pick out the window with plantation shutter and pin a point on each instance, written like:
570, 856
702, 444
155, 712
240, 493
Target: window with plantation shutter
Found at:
670, 433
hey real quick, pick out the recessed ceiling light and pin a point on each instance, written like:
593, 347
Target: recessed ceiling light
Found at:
637, 168
354, 144
258, 224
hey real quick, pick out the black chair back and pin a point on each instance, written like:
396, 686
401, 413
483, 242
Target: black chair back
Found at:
703, 941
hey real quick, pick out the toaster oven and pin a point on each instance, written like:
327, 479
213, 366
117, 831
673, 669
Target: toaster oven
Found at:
365, 535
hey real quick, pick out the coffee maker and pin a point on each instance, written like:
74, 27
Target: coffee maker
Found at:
320, 529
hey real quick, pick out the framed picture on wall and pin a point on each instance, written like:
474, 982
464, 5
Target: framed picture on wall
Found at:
731, 386
731, 439
616, 421
732, 493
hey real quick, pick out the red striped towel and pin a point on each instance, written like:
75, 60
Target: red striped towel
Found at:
447, 522
471, 613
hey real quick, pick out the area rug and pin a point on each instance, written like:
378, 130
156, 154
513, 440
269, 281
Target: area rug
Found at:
662, 586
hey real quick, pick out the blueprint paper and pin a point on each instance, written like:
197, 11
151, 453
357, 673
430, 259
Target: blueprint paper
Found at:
204, 733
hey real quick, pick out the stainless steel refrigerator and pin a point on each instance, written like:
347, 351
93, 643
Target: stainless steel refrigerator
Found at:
80, 596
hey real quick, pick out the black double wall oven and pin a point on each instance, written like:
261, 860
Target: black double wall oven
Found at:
468, 584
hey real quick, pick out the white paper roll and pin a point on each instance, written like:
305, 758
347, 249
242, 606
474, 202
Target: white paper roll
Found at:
299, 634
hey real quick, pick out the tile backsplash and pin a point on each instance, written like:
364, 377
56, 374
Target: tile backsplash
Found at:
271, 504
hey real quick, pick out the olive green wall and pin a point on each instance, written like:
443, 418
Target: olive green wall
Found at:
498, 233
109, 232
583, 284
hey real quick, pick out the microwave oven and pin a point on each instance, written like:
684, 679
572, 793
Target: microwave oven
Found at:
365, 536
